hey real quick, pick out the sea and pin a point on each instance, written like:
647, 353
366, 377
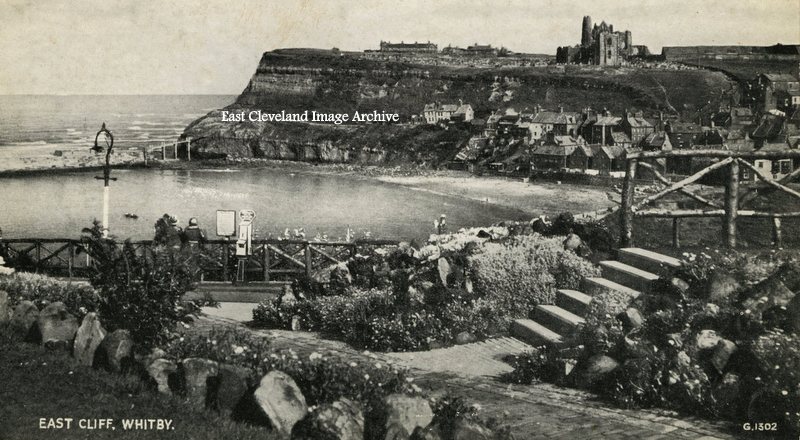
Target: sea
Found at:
59, 205
29, 122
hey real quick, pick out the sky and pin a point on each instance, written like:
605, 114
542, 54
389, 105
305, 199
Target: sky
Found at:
213, 46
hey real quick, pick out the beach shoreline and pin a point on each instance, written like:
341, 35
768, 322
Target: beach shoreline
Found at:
548, 198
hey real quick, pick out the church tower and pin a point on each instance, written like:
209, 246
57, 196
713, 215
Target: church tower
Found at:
586, 31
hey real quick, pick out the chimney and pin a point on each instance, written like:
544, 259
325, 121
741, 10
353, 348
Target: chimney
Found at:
561, 109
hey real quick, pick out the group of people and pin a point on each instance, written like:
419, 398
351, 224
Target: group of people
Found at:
169, 234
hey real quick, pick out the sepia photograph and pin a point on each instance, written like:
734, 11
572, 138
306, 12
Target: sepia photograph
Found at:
399, 219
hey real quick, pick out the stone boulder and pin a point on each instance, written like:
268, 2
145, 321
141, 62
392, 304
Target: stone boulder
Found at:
722, 354
233, 382
726, 393
281, 401
444, 270
593, 370
89, 336
465, 338
116, 350
196, 375
631, 319
706, 339
162, 372
722, 286
679, 285
5, 307
430, 432
470, 430
57, 327
340, 420
24, 318
406, 411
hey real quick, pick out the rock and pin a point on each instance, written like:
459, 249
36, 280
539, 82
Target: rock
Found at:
572, 242
24, 317
89, 336
683, 359
117, 350
706, 339
563, 369
407, 411
5, 308
722, 286
793, 314
722, 354
287, 296
233, 382
465, 338
675, 340
161, 371
281, 401
57, 327
468, 285
297, 323
595, 368
430, 432
631, 319
711, 309
340, 420
196, 373
444, 270
679, 285
340, 275
726, 394
396, 432
470, 430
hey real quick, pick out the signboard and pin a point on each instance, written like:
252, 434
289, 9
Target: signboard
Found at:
226, 223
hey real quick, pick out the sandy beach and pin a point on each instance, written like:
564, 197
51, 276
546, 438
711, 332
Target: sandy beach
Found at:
534, 198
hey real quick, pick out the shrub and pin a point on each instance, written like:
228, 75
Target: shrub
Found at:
138, 292
42, 290
226, 344
525, 271
777, 356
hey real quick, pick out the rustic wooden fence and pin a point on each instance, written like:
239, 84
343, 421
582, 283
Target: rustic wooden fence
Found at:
728, 163
271, 260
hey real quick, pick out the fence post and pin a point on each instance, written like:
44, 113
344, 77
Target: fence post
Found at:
71, 259
777, 235
225, 260
676, 232
731, 204
308, 260
626, 223
265, 262
163, 151
189, 149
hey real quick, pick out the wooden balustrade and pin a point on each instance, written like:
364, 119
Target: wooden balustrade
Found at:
270, 260
731, 163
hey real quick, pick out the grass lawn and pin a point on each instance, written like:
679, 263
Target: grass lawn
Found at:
36, 384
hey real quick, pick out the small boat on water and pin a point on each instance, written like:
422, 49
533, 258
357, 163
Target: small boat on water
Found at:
131, 216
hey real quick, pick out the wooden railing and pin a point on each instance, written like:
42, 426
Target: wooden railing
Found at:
727, 162
271, 260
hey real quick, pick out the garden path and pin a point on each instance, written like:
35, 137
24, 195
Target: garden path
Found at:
472, 370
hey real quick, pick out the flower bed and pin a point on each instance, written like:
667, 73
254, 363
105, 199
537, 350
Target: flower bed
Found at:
721, 339
456, 288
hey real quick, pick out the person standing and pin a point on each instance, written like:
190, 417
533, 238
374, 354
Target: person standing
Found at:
441, 224
173, 235
195, 237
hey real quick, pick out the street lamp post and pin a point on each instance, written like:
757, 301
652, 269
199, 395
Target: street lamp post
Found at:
109, 141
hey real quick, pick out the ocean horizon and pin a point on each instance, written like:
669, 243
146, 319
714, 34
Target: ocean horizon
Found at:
33, 122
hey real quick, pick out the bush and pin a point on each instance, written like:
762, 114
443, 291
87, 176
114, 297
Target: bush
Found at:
138, 292
42, 290
231, 345
525, 271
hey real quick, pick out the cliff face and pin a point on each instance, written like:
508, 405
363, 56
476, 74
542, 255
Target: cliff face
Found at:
296, 80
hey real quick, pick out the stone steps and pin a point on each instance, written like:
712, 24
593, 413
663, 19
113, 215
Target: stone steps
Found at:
534, 333
632, 274
628, 275
647, 260
573, 301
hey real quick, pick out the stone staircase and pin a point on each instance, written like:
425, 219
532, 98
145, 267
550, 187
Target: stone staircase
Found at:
631, 273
